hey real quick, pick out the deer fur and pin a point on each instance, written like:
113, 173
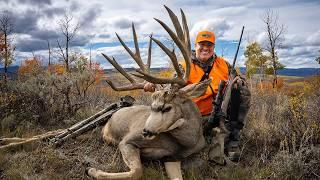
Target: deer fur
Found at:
170, 128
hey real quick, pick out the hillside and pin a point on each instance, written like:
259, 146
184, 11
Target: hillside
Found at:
300, 72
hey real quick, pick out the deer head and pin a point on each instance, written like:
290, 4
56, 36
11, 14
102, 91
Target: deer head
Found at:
170, 105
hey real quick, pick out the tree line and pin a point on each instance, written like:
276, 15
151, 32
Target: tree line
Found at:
68, 29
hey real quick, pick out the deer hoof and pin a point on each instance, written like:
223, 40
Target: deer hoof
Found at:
89, 169
218, 161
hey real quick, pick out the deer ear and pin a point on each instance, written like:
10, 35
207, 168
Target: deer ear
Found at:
195, 90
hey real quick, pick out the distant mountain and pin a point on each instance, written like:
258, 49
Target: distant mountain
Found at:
301, 72
11, 69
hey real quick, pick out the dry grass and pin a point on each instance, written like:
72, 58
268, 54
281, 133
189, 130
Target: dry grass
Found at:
280, 141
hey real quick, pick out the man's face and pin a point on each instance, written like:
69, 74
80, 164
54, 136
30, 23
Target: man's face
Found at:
204, 50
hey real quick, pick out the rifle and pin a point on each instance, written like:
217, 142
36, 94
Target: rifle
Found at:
222, 99
61, 135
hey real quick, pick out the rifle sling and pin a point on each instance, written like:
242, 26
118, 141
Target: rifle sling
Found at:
206, 75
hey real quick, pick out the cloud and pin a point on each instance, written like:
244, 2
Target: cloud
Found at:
314, 39
44, 34
125, 22
299, 62
80, 40
74, 6
25, 22
31, 45
307, 51
52, 11
36, 2
88, 18
36, 21
296, 51
104, 36
218, 26
300, 51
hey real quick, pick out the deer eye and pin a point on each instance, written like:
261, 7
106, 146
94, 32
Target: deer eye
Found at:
167, 109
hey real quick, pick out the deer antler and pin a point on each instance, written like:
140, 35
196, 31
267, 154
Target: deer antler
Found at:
181, 38
137, 57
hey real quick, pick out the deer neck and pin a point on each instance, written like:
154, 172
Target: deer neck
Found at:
189, 133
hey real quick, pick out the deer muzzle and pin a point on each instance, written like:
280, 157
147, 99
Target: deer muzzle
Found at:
148, 134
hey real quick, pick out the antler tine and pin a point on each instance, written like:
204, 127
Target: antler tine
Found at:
126, 88
136, 45
119, 68
171, 55
181, 43
187, 42
158, 80
149, 54
186, 29
136, 56
134, 84
175, 22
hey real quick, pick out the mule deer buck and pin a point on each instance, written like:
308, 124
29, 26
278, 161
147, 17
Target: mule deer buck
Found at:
168, 129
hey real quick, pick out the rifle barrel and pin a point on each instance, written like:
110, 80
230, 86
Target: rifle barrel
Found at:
235, 57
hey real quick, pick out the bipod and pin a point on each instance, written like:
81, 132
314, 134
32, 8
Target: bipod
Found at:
93, 121
61, 135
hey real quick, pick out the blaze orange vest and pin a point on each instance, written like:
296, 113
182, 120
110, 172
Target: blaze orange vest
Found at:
218, 72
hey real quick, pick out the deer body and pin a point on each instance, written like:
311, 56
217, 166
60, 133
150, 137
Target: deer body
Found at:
127, 125
169, 129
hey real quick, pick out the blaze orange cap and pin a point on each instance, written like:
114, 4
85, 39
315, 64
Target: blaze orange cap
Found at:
205, 36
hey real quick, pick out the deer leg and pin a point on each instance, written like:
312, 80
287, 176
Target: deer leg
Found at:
216, 152
131, 157
173, 170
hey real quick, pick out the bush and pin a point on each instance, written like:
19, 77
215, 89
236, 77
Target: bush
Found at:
304, 163
283, 131
49, 98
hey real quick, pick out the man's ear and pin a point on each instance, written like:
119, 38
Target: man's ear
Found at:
195, 90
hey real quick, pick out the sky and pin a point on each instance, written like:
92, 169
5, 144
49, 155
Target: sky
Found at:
36, 22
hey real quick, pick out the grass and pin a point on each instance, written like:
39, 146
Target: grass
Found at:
280, 141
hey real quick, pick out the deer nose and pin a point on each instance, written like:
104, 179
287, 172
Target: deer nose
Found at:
147, 133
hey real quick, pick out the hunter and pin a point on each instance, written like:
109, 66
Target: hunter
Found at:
206, 64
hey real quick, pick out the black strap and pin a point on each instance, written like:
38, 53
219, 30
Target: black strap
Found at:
206, 73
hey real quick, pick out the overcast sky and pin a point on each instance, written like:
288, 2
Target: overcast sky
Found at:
36, 22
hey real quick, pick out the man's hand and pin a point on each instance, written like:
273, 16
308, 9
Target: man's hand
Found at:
240, 81
149, 87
